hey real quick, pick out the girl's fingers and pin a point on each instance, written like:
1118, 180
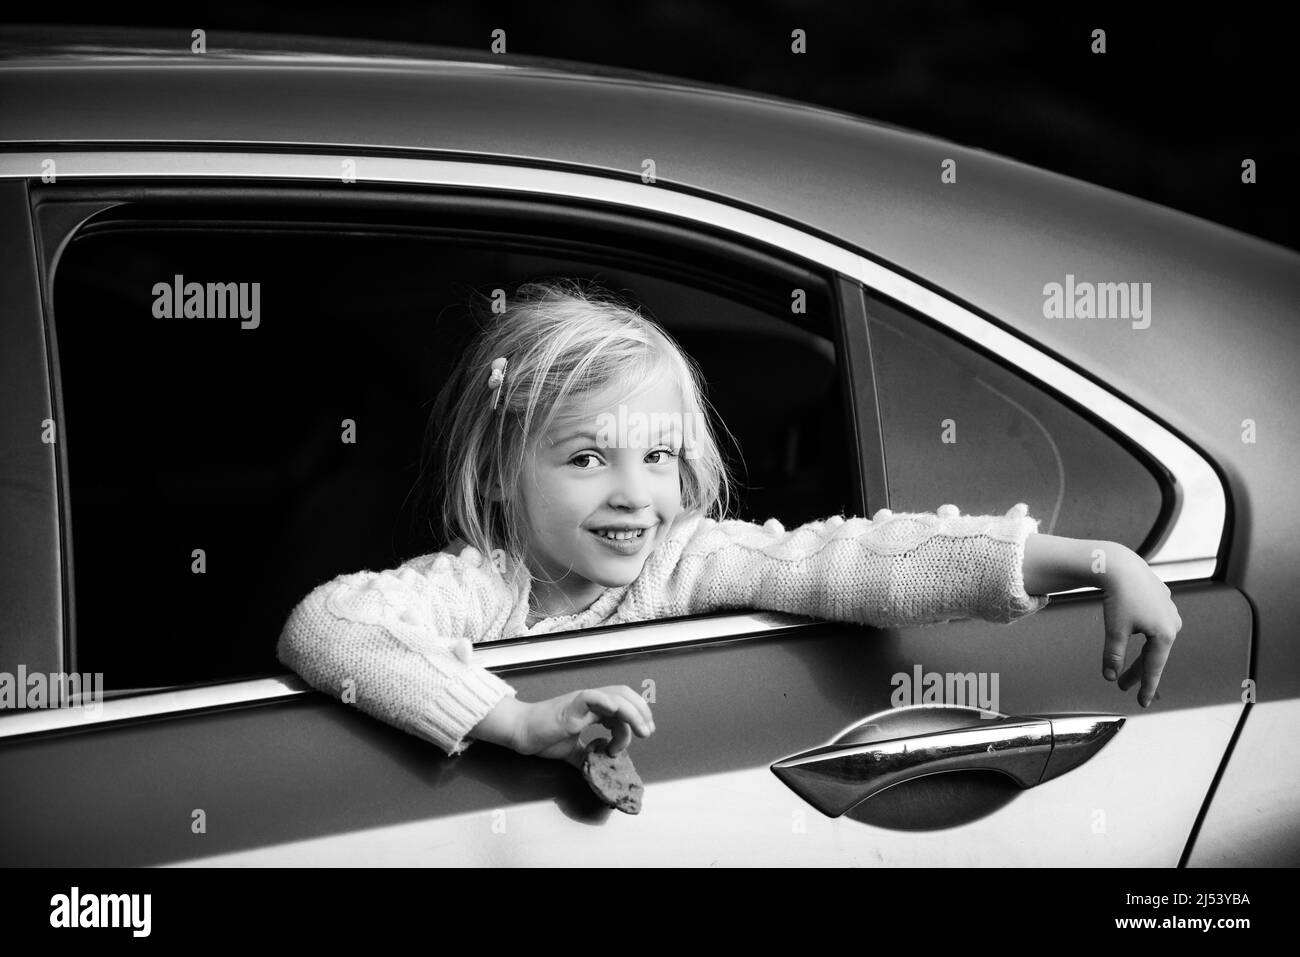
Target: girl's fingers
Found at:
611, 710
646, 723
618, 707
1112, 657
591, 706
1130, 676
623, 723
1155, 655
627, 716
1148, 666
622, 736
623, 702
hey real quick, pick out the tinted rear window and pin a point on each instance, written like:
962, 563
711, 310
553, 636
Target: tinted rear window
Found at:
960, 428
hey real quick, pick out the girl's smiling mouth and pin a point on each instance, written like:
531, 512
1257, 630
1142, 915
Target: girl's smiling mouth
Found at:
623, 539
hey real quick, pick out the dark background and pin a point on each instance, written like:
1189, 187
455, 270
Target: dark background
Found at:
1181, 96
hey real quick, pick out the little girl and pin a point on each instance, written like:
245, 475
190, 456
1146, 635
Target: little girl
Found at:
581, 484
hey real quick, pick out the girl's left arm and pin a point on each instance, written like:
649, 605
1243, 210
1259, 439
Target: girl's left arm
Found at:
908, 569
890, 570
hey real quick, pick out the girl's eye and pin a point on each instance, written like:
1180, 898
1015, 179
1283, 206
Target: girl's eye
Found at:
581, 458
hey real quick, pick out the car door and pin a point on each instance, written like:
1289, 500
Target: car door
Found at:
264, 771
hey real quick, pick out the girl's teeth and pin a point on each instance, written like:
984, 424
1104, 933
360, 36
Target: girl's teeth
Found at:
622, 536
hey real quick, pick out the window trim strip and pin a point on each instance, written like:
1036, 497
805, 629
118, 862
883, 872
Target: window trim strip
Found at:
504, 656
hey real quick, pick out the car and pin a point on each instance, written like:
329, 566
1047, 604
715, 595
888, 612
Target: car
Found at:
885, 319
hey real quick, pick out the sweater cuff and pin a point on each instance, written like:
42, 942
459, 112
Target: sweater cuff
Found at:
463, 702
1007, 599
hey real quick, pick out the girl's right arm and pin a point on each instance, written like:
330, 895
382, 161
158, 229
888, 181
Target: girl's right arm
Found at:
398, 645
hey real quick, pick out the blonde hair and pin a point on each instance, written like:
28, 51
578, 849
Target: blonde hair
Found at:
562, 338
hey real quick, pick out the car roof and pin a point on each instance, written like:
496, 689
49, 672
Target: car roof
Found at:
125, 44
991, 240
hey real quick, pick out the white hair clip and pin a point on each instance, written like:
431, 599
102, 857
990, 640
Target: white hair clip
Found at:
497, 378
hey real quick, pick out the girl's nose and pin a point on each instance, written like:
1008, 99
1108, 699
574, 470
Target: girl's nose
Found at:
631, 490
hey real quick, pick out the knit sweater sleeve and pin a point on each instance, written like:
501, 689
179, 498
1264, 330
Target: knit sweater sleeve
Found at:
398, 644
888, 571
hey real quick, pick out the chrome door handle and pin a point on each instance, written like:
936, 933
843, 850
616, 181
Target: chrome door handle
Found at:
902, 744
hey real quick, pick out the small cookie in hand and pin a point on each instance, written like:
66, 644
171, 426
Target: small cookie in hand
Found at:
613, 778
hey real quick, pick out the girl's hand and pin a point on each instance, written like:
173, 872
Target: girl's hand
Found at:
1137, 602
550, 729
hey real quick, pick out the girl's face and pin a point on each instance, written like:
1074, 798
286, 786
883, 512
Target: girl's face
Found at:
603, 469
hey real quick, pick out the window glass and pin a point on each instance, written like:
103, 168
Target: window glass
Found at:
960, 428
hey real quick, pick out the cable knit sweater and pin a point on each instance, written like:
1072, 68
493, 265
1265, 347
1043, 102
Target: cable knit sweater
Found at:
401, 641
